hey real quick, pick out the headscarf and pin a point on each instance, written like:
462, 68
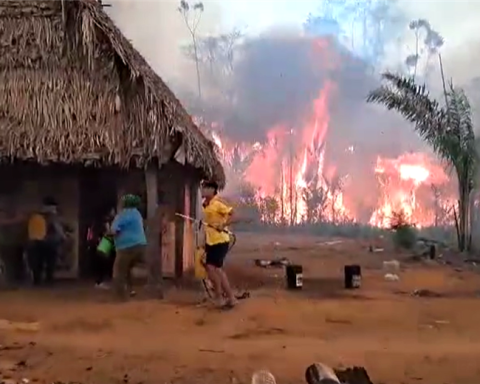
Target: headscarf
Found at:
131, 201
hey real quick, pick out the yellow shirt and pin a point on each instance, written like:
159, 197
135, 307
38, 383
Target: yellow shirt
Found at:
37, 227
216, 213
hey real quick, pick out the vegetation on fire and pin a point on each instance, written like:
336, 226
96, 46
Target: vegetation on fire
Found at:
447, 128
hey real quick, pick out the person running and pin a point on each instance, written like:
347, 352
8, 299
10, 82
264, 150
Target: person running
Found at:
217, 217
130, 244
46, 235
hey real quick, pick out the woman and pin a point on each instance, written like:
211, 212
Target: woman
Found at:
130, 243
217, 217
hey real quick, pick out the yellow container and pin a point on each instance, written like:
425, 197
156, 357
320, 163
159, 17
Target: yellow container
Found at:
200, 272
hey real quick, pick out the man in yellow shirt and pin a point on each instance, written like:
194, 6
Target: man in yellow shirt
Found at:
217, 217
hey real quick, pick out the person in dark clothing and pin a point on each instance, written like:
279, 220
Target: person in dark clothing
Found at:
102, 262
45, 234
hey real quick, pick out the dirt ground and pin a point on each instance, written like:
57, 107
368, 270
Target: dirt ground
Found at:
72, 333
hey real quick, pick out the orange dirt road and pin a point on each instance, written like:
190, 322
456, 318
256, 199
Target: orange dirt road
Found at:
76, 334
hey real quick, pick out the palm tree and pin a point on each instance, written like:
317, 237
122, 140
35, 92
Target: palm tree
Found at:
447, 128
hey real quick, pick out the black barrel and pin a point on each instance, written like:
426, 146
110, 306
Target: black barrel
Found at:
353, 276
294, 275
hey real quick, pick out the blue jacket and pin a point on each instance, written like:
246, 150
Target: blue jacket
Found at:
128, 227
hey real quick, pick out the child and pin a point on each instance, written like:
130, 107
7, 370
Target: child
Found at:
103, 257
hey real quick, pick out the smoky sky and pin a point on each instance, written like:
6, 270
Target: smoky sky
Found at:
275, 83
278, 77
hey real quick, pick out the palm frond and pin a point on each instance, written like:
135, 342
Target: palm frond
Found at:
414, 103
448, 129
460, 131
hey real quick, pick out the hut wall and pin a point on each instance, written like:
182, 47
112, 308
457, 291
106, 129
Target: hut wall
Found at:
190, 230
170, 183
21, 193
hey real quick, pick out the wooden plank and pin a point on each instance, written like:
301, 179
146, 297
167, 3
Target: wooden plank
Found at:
154, 259
168, 246
179, 224
188, 232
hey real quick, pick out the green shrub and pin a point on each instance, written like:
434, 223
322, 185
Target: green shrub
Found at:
404, 233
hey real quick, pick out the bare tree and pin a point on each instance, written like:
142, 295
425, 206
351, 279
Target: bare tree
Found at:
335, 187
316, 201
216, 57
192, 16
269, 208
432, 42
442, 212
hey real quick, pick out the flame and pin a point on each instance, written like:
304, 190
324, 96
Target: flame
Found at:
292, 183
400, 180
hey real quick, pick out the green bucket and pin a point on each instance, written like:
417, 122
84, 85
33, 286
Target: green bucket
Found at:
105, 246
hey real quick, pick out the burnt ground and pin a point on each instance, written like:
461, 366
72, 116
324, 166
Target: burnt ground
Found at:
74, 333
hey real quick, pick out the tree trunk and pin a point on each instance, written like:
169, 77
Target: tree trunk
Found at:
195, 50
463, 215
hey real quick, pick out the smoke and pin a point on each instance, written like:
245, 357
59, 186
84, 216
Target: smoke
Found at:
278, 76
274, 84
158, 30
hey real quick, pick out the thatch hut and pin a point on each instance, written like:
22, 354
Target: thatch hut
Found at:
83, 117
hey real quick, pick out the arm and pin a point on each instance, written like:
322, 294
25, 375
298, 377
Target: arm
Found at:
231, 216
117, 225
60, 230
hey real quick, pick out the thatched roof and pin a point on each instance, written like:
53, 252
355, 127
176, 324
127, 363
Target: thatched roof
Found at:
74, 90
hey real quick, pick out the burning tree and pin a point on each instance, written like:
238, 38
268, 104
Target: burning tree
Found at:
442, 211
448, 129
316, 199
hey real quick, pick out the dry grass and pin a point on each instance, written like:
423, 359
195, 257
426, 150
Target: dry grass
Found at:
74, 90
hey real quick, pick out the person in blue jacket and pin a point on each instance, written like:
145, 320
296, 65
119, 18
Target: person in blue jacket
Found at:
130, 244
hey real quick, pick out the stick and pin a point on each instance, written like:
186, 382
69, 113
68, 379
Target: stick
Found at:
201, 222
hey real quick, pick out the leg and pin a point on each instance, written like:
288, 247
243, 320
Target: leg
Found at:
121, 270
110, 263
225, 284
100, 261
50, 262
35, 262
138, 255
226, 287
214, 262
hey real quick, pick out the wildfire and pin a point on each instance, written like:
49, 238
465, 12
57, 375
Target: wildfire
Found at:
401, 180
291, 183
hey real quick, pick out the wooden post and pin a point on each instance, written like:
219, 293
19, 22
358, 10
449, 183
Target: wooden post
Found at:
154, 259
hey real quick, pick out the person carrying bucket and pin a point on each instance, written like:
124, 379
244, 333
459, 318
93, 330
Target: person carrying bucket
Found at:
130, 244
217, 217
102, 249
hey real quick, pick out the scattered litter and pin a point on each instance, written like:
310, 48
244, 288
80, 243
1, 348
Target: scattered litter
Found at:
334, 242
273, 263
442, 322
354, 375
373, 249
425, 293
391, 277
263, 377
212, 350
391, 266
